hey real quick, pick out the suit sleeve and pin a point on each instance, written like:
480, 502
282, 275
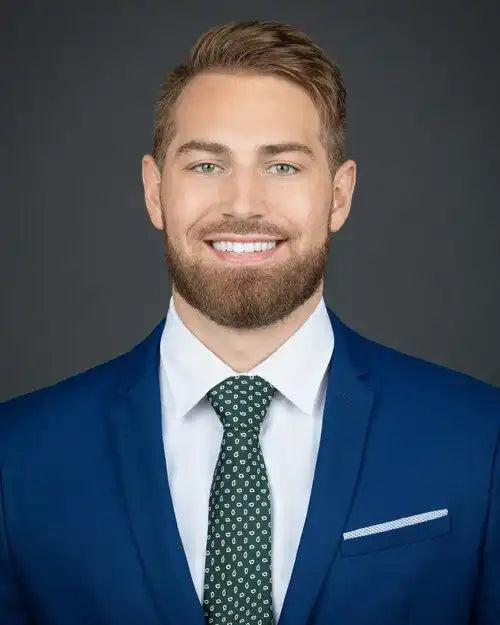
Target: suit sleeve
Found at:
487, 601
12, 608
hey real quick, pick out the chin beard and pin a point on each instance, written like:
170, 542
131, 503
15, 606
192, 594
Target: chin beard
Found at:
243, 296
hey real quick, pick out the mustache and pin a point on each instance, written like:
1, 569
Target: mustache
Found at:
244, 228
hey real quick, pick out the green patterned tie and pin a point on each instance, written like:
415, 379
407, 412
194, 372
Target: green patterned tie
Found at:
238, 588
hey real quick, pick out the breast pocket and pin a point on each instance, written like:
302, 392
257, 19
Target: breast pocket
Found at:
395, 533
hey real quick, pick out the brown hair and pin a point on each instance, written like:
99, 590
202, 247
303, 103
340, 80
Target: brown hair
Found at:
259, 47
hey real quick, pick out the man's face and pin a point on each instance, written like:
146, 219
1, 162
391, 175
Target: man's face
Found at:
244, 190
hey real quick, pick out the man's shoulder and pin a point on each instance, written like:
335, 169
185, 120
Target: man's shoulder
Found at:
425, 382
76, 397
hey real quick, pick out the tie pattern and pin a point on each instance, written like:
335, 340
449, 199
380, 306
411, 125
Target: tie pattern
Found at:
238, 588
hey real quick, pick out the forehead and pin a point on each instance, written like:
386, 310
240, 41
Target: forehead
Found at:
242, 107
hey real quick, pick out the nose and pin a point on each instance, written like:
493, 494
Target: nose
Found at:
242, 194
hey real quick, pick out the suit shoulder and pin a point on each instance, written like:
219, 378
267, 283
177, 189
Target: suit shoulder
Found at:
79, 393
398, 372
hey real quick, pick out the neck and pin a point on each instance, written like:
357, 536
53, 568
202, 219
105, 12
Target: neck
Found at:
243, 349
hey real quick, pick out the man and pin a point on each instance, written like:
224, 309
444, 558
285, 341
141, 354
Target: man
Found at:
253, 459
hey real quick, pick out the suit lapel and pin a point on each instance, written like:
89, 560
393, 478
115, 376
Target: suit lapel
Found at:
135, 419
345, 422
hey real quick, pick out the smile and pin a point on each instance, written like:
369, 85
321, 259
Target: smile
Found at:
242, 257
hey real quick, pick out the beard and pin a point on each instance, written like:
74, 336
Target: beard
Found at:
247, 296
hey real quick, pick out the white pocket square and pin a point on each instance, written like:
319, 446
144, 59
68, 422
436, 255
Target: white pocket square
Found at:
397, 523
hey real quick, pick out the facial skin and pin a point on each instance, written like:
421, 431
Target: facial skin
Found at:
244, 312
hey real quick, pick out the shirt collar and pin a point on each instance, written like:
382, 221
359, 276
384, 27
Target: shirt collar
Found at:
189, 370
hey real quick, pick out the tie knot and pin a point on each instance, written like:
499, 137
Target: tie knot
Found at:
241, 401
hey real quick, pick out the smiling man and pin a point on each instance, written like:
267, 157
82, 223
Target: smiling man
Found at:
245, 172
253, 460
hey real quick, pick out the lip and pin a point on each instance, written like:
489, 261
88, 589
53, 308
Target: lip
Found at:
241, 239
245, 258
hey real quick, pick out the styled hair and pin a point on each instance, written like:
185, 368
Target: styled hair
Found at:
259, 47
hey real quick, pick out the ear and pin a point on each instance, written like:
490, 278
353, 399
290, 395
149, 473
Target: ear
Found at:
343, 188
151, 180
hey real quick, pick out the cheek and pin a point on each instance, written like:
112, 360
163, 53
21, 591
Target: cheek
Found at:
298, 194
184, 205
299, 205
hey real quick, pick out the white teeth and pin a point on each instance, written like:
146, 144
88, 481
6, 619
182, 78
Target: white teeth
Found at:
231, 246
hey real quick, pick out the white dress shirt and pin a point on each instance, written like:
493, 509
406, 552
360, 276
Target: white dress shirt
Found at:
289, 435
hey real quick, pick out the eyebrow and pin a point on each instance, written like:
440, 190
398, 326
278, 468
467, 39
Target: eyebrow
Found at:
270, 149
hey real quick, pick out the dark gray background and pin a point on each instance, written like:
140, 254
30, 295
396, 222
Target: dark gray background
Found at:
82, 271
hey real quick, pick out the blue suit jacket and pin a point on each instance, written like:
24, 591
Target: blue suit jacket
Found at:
88, 533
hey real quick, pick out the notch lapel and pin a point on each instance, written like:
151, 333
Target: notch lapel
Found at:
135, 418
345, 422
